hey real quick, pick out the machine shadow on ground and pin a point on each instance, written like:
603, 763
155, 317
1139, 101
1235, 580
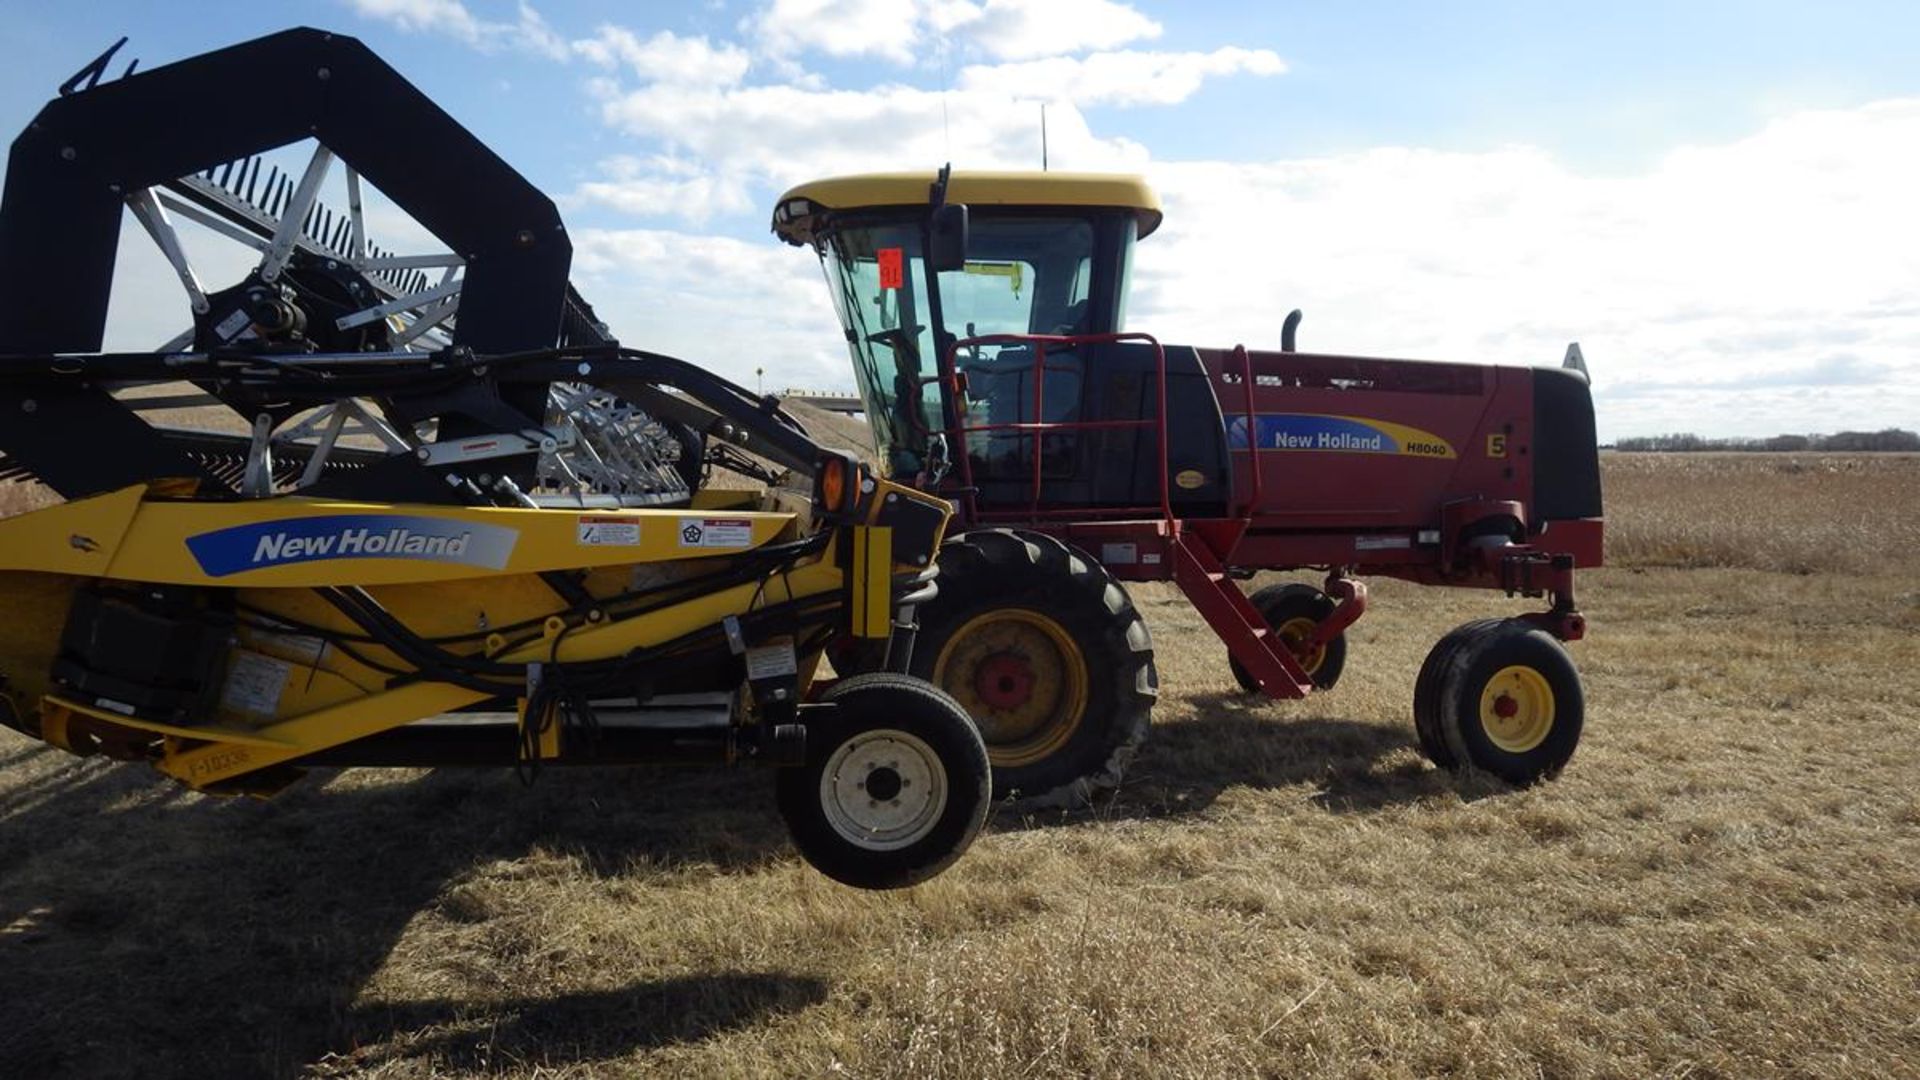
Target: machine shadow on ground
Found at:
1232, 741
240, 934
145, 931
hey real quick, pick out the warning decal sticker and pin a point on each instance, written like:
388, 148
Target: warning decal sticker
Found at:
609, 531
255, 683
716, 532
893, 268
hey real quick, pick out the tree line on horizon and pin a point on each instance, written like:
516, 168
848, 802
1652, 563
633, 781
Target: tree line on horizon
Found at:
1888, 440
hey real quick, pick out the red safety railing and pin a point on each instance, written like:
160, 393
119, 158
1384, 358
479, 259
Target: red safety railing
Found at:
1040, 429
1253, 431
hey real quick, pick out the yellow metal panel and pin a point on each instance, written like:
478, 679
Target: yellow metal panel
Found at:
871, 599
78, 537
306, 542
387, 709
998, 188
211, 732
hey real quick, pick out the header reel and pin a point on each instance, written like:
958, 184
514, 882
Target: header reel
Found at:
486, 271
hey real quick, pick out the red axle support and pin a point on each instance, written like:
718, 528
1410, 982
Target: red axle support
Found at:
1529, 572
1351, 594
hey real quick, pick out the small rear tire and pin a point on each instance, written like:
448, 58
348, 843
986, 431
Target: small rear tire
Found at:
895, 785
1293, 611
1501, 696
1426, 692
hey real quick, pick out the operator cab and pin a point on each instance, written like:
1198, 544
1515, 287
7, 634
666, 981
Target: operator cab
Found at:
1044, 253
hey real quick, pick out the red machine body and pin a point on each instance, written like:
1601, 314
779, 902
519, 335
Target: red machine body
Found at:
1437, 473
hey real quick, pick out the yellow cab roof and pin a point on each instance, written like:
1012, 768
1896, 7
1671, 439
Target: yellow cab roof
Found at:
794, 214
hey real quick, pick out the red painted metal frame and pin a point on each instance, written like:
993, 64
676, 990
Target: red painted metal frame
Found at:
1203, 555
1253, 444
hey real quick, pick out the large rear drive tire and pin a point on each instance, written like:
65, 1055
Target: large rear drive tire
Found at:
1501, 695
895, 785
1047, 653
1293, 611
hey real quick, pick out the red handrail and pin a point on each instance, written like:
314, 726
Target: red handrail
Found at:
1253, 434
1040, 429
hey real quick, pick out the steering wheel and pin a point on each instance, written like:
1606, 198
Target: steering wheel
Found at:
896, 337
906, 389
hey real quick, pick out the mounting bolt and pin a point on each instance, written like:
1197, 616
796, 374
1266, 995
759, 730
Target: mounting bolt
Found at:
523, 238
586, 369
29, 405
423, 453
68, 153
324, 74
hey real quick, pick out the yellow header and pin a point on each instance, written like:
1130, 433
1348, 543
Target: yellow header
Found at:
793, 214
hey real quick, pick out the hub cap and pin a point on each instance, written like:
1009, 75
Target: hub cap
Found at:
1294, 633
1021, 677
1516, 709
883, 790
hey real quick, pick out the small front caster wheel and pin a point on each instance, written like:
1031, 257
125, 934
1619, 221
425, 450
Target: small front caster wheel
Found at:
1293, 611
895, 785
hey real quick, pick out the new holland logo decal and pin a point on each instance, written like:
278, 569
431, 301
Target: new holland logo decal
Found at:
1337, 434
351, 536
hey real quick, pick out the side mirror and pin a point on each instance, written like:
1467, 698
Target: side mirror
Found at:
947, 238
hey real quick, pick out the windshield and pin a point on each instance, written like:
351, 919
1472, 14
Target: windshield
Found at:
881, 298
1026, 272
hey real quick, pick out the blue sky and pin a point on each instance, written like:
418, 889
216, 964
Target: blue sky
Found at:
1712, 197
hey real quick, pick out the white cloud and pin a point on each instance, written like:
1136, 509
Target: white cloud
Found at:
729, 305
1120, 78
750, 138
1024, 29
662, 186
885, 28
1750, 265
667, 57
527, 31
905, 30
1760, 285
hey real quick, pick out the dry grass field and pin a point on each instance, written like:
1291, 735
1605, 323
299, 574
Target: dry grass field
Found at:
1724, 883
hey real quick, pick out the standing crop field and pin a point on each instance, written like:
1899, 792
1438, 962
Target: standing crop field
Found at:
1724, 883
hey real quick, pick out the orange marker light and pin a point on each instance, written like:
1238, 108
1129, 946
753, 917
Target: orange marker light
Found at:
833, 483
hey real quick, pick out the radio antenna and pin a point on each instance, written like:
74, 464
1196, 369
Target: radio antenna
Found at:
1043, 136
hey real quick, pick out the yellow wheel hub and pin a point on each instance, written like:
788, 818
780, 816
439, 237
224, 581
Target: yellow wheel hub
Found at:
1021, 677
1297, 630
1516, 708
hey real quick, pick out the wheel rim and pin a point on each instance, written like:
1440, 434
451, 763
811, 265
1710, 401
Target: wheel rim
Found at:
1021, 677
1294, 633
883, 789
1516, 708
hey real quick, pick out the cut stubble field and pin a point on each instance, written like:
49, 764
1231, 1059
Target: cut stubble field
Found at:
1725, 882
